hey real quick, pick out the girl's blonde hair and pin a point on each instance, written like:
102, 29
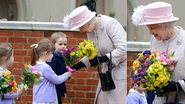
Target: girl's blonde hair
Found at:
44, 45
56, 35
6, 52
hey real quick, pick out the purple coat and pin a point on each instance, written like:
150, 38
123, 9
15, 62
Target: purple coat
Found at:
46, 91
134, 97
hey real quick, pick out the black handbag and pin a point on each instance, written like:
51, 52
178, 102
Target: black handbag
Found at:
106, 80
176, 97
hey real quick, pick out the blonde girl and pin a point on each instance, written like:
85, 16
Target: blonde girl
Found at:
45, 92
6, 60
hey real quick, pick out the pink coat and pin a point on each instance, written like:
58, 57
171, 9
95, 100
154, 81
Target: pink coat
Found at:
109, 36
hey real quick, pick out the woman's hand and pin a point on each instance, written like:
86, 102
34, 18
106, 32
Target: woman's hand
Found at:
98, 59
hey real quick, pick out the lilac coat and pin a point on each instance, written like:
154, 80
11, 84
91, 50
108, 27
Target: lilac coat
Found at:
109, 36
45, 92
134, 97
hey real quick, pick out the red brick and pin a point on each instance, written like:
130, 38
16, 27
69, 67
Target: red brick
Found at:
6, 33
17, 40
18, 34
92, 81
81, 101
34, 34
32, 40
18, 46
71, 81
82, 88
80, 81
29, 91
71, 42
90, 95
17, 71
70, 93
3, 39
27, 46
18, 79
20, 52
18, 58
69, 34
27, 59
80, 94
66, 100
18, 65
26, 98
84, 75
80, 35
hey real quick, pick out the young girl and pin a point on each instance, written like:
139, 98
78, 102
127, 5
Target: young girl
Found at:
6, 60
136, 95
45, 92
57, 63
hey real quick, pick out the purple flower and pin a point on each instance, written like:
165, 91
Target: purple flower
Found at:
148, 62
139, 70
143, 80
171, 68
146, 53
141, 59
144, 70
135, 78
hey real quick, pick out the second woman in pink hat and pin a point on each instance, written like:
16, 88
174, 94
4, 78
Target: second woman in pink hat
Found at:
159, 19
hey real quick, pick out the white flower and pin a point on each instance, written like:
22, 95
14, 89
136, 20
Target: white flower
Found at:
66, 22
137, 16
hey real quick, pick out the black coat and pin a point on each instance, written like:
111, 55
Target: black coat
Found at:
59, 67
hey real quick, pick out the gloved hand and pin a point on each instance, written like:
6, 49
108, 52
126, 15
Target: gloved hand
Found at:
172, 86
101, 59
78, 65
70, 69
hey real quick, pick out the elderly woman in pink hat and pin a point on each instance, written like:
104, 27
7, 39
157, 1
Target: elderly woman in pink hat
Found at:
159, 19
109, 37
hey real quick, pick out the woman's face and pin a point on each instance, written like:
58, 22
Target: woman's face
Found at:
60, 44
159, 31
88, 27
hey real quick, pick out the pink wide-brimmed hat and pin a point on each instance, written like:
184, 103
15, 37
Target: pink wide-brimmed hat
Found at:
154, 13
78, 17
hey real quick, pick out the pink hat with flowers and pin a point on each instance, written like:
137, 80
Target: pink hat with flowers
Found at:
78, 17
153, 13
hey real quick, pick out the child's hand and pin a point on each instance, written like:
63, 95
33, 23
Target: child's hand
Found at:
70, 69
139, 88
20, 90
65, 94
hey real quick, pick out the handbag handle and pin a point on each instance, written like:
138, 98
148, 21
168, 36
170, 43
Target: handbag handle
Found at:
109, 64
176, 96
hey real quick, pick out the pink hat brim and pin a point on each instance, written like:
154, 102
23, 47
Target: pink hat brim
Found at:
84, 22
158, 22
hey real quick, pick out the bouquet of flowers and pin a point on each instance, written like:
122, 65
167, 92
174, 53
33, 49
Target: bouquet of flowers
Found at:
87, 48
30, 76
7, 83
70, 56
152, 70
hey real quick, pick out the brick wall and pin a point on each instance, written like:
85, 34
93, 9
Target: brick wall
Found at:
80, 88
130, 57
